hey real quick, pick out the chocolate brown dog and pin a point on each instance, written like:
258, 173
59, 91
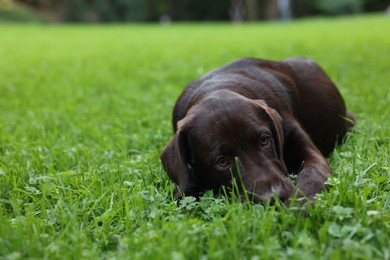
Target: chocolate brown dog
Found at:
261, 119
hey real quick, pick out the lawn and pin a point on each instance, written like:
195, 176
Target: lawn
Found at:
85, 111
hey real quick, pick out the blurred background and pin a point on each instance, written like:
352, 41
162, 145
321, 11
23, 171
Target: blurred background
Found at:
167, 11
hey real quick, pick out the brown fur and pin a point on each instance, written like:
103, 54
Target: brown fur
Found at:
273, 118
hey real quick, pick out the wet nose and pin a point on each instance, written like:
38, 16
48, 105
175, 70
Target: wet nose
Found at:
281, 191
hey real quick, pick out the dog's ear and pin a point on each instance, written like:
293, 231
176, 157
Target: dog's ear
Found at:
276, 128
176, 158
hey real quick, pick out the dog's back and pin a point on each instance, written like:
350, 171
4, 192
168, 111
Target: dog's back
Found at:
295, 86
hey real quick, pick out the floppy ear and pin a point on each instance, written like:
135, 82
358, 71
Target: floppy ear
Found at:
276, 128
176, 158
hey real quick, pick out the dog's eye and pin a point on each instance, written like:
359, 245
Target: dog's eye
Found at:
264, 139
222, 162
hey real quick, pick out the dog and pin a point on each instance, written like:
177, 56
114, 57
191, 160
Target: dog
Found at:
253, 122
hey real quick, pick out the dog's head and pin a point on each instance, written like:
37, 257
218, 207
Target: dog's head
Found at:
222, 137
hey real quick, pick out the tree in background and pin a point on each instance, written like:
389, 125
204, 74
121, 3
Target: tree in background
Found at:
198, 10
195, 10
237, 10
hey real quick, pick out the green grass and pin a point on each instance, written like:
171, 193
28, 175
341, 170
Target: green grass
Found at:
85, 111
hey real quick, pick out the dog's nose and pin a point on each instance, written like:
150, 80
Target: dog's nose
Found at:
280, 192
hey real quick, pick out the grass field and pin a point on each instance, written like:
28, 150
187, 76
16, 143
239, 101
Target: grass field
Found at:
85, 111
